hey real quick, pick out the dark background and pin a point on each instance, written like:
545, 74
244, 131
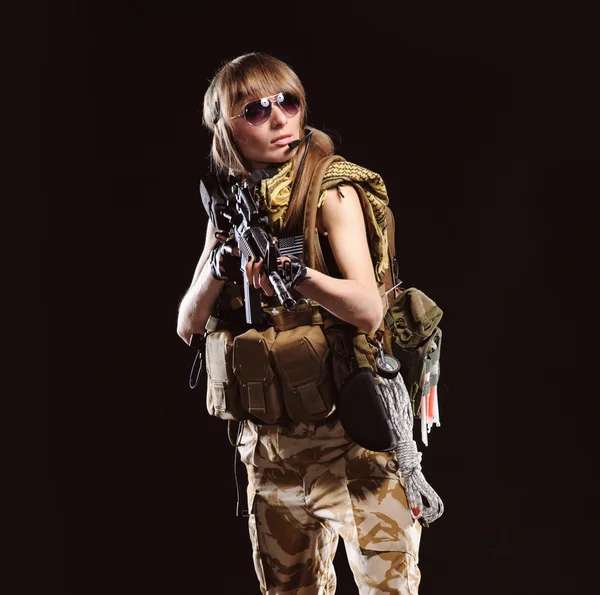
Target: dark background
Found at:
482, 122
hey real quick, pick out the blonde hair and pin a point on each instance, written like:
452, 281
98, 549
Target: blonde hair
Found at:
256, 75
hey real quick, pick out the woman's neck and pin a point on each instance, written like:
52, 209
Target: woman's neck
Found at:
258, 166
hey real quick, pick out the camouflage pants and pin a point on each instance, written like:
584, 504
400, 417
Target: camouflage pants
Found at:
308, 485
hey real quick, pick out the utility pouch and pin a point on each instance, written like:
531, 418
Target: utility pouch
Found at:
413, 319
362, 412
302, 361
222, 387
260, 389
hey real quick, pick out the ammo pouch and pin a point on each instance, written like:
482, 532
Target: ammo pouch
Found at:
222, 390
272, 376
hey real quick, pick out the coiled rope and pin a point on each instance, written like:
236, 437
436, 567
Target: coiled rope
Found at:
400, 414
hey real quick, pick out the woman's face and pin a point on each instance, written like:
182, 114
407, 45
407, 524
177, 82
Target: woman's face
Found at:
267, 142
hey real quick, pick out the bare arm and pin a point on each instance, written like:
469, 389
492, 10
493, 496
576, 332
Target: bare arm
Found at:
354, 299
199, 301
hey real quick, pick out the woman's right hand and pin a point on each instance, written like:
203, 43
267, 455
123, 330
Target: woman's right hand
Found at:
225, 261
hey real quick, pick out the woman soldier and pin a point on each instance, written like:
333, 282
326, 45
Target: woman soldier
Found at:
309, 483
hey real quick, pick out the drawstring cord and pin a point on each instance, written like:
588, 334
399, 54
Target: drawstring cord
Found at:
244, 513
193, 382
198, 341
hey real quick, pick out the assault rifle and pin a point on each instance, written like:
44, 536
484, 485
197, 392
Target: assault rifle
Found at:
254, 241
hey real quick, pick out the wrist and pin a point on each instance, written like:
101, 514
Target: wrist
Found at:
293, 271
303, 282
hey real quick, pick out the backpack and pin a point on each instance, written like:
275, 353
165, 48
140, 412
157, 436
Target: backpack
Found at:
410, 328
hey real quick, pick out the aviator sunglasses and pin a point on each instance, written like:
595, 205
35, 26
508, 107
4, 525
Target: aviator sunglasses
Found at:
257, 112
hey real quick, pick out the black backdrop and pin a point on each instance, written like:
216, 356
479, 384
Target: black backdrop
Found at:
482, 125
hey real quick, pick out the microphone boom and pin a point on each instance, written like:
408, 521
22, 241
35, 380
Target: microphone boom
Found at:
295, 143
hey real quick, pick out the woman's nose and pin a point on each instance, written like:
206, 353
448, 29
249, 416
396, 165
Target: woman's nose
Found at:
278, 116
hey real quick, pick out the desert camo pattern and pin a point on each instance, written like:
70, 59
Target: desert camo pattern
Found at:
310, 484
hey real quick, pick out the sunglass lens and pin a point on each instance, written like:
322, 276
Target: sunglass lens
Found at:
290, 104
256, 113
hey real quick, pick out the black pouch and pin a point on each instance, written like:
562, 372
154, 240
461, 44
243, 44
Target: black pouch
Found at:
363, 414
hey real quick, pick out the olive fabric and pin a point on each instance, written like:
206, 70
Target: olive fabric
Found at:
413, 319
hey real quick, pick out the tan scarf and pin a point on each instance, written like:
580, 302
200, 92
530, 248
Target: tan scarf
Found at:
371, 185
274, 196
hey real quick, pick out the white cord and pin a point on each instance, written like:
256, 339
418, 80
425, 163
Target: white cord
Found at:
399, 411
392, 289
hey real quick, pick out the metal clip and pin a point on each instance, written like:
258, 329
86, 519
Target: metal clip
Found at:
387, 365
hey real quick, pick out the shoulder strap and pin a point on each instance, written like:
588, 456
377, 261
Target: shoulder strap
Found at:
390, 278
310, 250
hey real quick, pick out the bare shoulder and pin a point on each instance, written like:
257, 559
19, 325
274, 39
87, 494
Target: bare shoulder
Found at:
341, 204
343, 221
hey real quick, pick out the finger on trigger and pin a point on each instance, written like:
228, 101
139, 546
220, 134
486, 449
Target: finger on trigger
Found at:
256, 272
248, 267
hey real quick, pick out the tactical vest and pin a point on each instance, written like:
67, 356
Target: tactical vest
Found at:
294, 370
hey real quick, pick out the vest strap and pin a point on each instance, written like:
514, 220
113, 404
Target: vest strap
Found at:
213, 323
256, 398
311, 399
318, 254
285, 321
219, 400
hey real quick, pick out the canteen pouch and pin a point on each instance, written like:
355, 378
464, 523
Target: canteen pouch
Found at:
302, 360
260, 389
222, 387
362, 412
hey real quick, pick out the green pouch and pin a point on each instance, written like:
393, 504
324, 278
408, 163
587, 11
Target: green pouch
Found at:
413, 320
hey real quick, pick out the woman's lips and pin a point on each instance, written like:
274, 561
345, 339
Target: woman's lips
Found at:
286, 140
